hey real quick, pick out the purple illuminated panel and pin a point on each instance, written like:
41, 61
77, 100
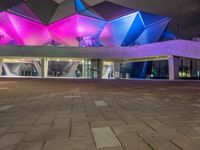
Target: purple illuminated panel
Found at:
69, 30
31, 33
116, 30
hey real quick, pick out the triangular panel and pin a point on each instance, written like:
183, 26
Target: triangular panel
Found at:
23, 10
65, 9
110, 11
152, 34
4, 38
71, 30
31, 32
150, 19
65, 31
81, 5
44, 9
91, 13
89, 27
116, 30
7, 26
136, 29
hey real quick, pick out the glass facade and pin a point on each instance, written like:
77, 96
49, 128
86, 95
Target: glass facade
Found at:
189, 69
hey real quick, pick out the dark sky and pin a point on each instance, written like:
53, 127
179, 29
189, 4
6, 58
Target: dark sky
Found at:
186, 13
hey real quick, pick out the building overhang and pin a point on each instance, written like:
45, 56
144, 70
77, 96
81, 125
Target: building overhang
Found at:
159, 50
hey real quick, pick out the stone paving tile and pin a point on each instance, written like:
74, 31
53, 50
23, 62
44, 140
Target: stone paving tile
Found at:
30, 146
5, 107
3, 129
70, 144
124, 129
164, 145
100, 103
133, 142
104, 137
81, 129
38, 133
161, 135
8, 147
187, 144
111, 123
111, 148
10, 139
60, 114
19, 129
45, 119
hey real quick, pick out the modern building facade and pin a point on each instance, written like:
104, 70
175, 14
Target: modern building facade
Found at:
73, 39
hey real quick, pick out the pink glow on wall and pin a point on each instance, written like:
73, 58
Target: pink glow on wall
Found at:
31, 33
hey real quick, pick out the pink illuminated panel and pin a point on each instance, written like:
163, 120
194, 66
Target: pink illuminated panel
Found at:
7, 26
5, 38
31, 33
65, 31
68, 30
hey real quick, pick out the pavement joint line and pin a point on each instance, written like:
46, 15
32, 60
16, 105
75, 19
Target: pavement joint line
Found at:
117, 93
72, 96
104, 137
5, 107
100, 103
4, 88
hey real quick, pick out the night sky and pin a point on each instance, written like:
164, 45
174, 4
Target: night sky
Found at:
185, 14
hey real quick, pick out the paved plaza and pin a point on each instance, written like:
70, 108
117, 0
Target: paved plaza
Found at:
47, 114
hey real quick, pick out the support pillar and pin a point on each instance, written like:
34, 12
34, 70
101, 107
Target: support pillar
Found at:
96, 68
44, 67
1, 66
173, 63
117, 70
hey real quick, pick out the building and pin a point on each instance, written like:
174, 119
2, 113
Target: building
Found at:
73, 39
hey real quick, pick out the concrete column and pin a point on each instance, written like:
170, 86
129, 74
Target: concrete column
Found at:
96, 68
99, 68
38, 67
1, 66
117, 70
44, 67
173, 63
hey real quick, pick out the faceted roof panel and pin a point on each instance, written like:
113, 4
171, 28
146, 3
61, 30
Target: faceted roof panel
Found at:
7, 26
109, 10
68, 30
23, 10
44, 9
4, 38
68, 8
116, 30
153, 33
31, 33
81, 5
150, 19
75, 23
2, 7
91, 13
65, 9
134, 32
6, 4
